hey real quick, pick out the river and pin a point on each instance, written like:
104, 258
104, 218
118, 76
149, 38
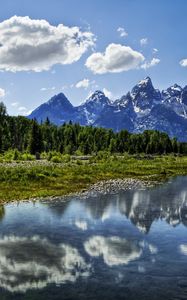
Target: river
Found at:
129, 245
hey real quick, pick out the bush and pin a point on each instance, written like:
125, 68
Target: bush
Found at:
44, 155
102, 155
66, 158
78, 153
56, 159
12, 154
27, 156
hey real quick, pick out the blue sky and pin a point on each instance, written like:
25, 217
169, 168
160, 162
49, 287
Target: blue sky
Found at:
152, 42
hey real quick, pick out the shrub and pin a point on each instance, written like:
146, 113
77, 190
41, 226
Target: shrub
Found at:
56, 159
27, 156
66, 158
12, 154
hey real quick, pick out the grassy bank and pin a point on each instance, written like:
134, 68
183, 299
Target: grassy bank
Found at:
22, 180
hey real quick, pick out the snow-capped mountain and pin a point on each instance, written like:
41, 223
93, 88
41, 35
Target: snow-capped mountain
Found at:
93, 106
144, 97
144, 107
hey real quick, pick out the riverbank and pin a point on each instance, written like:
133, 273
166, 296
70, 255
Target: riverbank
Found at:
25, 180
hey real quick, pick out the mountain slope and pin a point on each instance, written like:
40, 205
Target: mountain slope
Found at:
143, 108
58, 109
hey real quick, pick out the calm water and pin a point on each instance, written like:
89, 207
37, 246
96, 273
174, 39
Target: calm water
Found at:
132, 245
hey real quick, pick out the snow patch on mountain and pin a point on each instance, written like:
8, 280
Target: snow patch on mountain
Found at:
144, 107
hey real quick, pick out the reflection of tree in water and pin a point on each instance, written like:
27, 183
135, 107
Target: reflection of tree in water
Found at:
2, 212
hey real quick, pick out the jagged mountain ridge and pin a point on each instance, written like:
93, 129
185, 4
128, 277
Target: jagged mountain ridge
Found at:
143, 108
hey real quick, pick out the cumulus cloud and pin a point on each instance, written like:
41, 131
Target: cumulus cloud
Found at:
115, 250
122, 32
83, 83
32, 263
183, 62
35, 45
152, 63
116, 58
143, 41
2, 93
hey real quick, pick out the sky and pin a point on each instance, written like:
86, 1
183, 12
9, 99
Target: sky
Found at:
79, 46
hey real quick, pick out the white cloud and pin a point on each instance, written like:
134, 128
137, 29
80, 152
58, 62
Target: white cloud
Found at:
155, 50
22, 108
48, 89
152, 63
183, 62
21, 269
108, 93
35, 45
122, 32
15, 104
116, 58
64, 87
2, 93
115, 250
143, 41
83, 83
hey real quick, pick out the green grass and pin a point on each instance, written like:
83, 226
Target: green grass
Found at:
23, 181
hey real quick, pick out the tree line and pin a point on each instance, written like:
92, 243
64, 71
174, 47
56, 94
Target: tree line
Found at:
28, 135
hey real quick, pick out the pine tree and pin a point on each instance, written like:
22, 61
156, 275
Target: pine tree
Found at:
35, 142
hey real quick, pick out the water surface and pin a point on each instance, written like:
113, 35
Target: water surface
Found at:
132, 245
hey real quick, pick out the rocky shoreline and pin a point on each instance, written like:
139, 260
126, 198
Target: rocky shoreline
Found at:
105, 187
114, 186
101, 188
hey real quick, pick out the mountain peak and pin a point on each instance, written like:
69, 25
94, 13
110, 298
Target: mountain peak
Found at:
60, 101
143, 108
58, 98
97, 97
175, 88
145, 85
146, 81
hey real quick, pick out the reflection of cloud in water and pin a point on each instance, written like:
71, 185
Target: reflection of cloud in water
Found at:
115, 250
32, 263
183, 249
81, 224
152, 249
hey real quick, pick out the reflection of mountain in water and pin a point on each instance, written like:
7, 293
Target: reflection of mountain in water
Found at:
167, 202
